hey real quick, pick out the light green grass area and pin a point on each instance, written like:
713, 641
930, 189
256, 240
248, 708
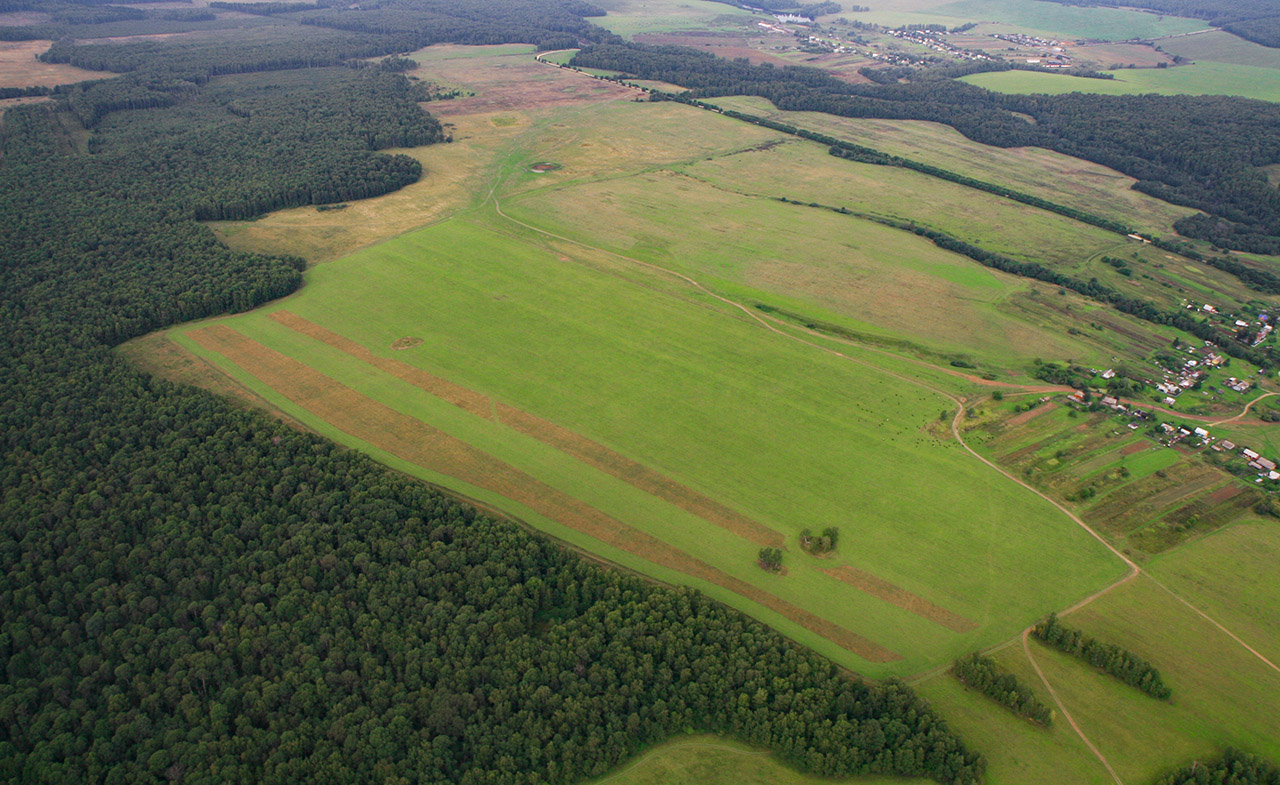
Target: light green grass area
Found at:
1222, 695
1202, 78
1059, 178
1017, 752
720, 218
1220, 46
1232, 575
1105, 24
716, 760
675, 382
629, 18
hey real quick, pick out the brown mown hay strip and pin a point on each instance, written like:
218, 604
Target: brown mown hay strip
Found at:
912, 603
430, 448
592, 453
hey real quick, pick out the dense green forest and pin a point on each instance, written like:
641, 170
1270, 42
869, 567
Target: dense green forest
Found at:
1255, 20
192, 592
1199, 151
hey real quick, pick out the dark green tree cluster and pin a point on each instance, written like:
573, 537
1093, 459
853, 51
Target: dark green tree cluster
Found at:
1199, 151
822, 543
1234, 768
770, 559
193, 592
984, 675
1121, 663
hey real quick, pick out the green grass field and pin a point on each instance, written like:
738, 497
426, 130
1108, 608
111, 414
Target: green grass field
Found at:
629, 18
673, 381
526, 342
1106, 24
1201, 78
1222, 696
1220, 46
1231, 575
1044, 173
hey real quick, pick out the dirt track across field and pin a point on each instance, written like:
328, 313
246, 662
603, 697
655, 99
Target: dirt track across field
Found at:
592, 453
432, 449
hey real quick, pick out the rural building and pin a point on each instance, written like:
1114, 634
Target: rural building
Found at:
1266, 464
1202, 433
1250, 454
1228, 445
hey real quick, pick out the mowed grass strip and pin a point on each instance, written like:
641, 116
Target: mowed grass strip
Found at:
421, 444
589, 452
912, 603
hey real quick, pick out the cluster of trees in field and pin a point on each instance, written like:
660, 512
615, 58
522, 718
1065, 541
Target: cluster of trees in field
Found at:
1255, 20
1199, 151
770, 559
1119, 662
984, 675
821, 543
1234, 768
194, 592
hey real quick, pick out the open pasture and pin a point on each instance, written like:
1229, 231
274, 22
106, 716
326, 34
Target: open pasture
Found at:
1054, 19
1222, 696
630, 18
513, 95
820, 264
1230, 574
1219, 46
20, 68
666, 379
1201, 78
1059, 178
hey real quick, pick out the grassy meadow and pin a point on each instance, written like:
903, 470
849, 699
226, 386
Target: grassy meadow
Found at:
535, 360
1033, 170
672, 380
629, 18
1200, 78
1054, 19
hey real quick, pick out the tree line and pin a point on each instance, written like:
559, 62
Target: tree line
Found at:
1108, 657
194, 592
984, 675
1233, 768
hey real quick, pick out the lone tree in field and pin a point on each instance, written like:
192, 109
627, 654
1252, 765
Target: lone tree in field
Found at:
770, 559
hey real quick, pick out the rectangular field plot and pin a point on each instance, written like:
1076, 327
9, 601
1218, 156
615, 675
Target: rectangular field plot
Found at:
627, 413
